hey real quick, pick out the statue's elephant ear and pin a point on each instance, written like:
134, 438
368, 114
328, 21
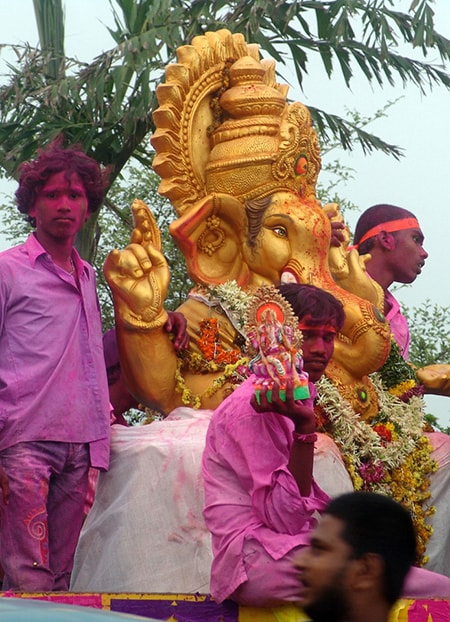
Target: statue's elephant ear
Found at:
211, 236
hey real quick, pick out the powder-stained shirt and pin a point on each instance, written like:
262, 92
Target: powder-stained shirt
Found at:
398, 323
53, 383
249, 490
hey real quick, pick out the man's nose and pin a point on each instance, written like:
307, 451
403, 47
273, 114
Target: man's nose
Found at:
300, 558
423, 253
64, 205
317, 344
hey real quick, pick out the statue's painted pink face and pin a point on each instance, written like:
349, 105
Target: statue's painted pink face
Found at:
294, 238
290, 236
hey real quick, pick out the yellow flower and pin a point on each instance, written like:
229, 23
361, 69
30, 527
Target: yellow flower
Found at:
402, 388
404, 461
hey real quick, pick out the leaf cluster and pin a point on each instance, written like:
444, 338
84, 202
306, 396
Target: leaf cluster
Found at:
107, 105
430, 334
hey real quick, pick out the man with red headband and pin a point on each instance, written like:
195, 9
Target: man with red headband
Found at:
394, 239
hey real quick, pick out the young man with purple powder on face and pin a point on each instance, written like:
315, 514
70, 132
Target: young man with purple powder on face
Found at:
54, 404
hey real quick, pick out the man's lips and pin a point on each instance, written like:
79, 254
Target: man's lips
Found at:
314, 364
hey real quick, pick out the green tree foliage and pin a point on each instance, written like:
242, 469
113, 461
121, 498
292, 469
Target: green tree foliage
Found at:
106, 105
334, 175
430, 334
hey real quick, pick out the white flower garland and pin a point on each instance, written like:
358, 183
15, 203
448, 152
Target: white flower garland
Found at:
234, 301
358, 439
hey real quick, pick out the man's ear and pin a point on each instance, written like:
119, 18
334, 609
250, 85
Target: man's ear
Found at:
368, 572
386, 240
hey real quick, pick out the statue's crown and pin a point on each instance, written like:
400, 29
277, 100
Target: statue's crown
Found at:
224, 126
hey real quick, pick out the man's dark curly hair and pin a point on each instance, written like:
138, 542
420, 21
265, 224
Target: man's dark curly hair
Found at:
33, 175
320, 306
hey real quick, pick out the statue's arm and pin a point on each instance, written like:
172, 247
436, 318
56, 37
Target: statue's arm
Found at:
139, 278
435, 378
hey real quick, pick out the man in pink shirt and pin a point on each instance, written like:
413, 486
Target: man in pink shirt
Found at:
261, 501
54, 406
394, 239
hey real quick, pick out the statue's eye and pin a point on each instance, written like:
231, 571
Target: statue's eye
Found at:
280, 231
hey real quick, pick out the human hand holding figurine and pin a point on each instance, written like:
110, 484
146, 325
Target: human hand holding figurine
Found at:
139, 275
287, 405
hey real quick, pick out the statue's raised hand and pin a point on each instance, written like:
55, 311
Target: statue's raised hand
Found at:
347, 266
139, 275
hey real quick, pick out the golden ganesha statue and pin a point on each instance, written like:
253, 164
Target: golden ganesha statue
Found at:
239, 165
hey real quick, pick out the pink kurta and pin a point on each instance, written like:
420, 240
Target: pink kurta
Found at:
398, 324
249, 491
53, 383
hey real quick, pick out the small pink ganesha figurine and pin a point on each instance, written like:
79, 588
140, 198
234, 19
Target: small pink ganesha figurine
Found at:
274, 341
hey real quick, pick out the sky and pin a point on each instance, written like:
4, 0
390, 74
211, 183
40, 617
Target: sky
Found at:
420, 124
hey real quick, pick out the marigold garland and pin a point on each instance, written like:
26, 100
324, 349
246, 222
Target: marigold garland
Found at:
211, 347
389, 455
233, 373
213, 358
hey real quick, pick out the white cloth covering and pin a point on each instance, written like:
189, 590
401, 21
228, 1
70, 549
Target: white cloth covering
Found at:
438, 548
145, 531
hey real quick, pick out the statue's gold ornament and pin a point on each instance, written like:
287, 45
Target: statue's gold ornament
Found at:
239, 165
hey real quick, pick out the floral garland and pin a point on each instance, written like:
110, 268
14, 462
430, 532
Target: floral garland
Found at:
388, 455
234, 301
210, 346
214, 358
234, 374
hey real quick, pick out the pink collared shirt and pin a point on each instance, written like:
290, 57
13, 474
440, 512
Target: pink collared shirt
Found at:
249, 490
398, 323
53, 383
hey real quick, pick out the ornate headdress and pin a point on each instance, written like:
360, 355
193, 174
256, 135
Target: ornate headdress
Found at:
224, 126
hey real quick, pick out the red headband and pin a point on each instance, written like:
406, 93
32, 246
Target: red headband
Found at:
389, 227
327, 328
